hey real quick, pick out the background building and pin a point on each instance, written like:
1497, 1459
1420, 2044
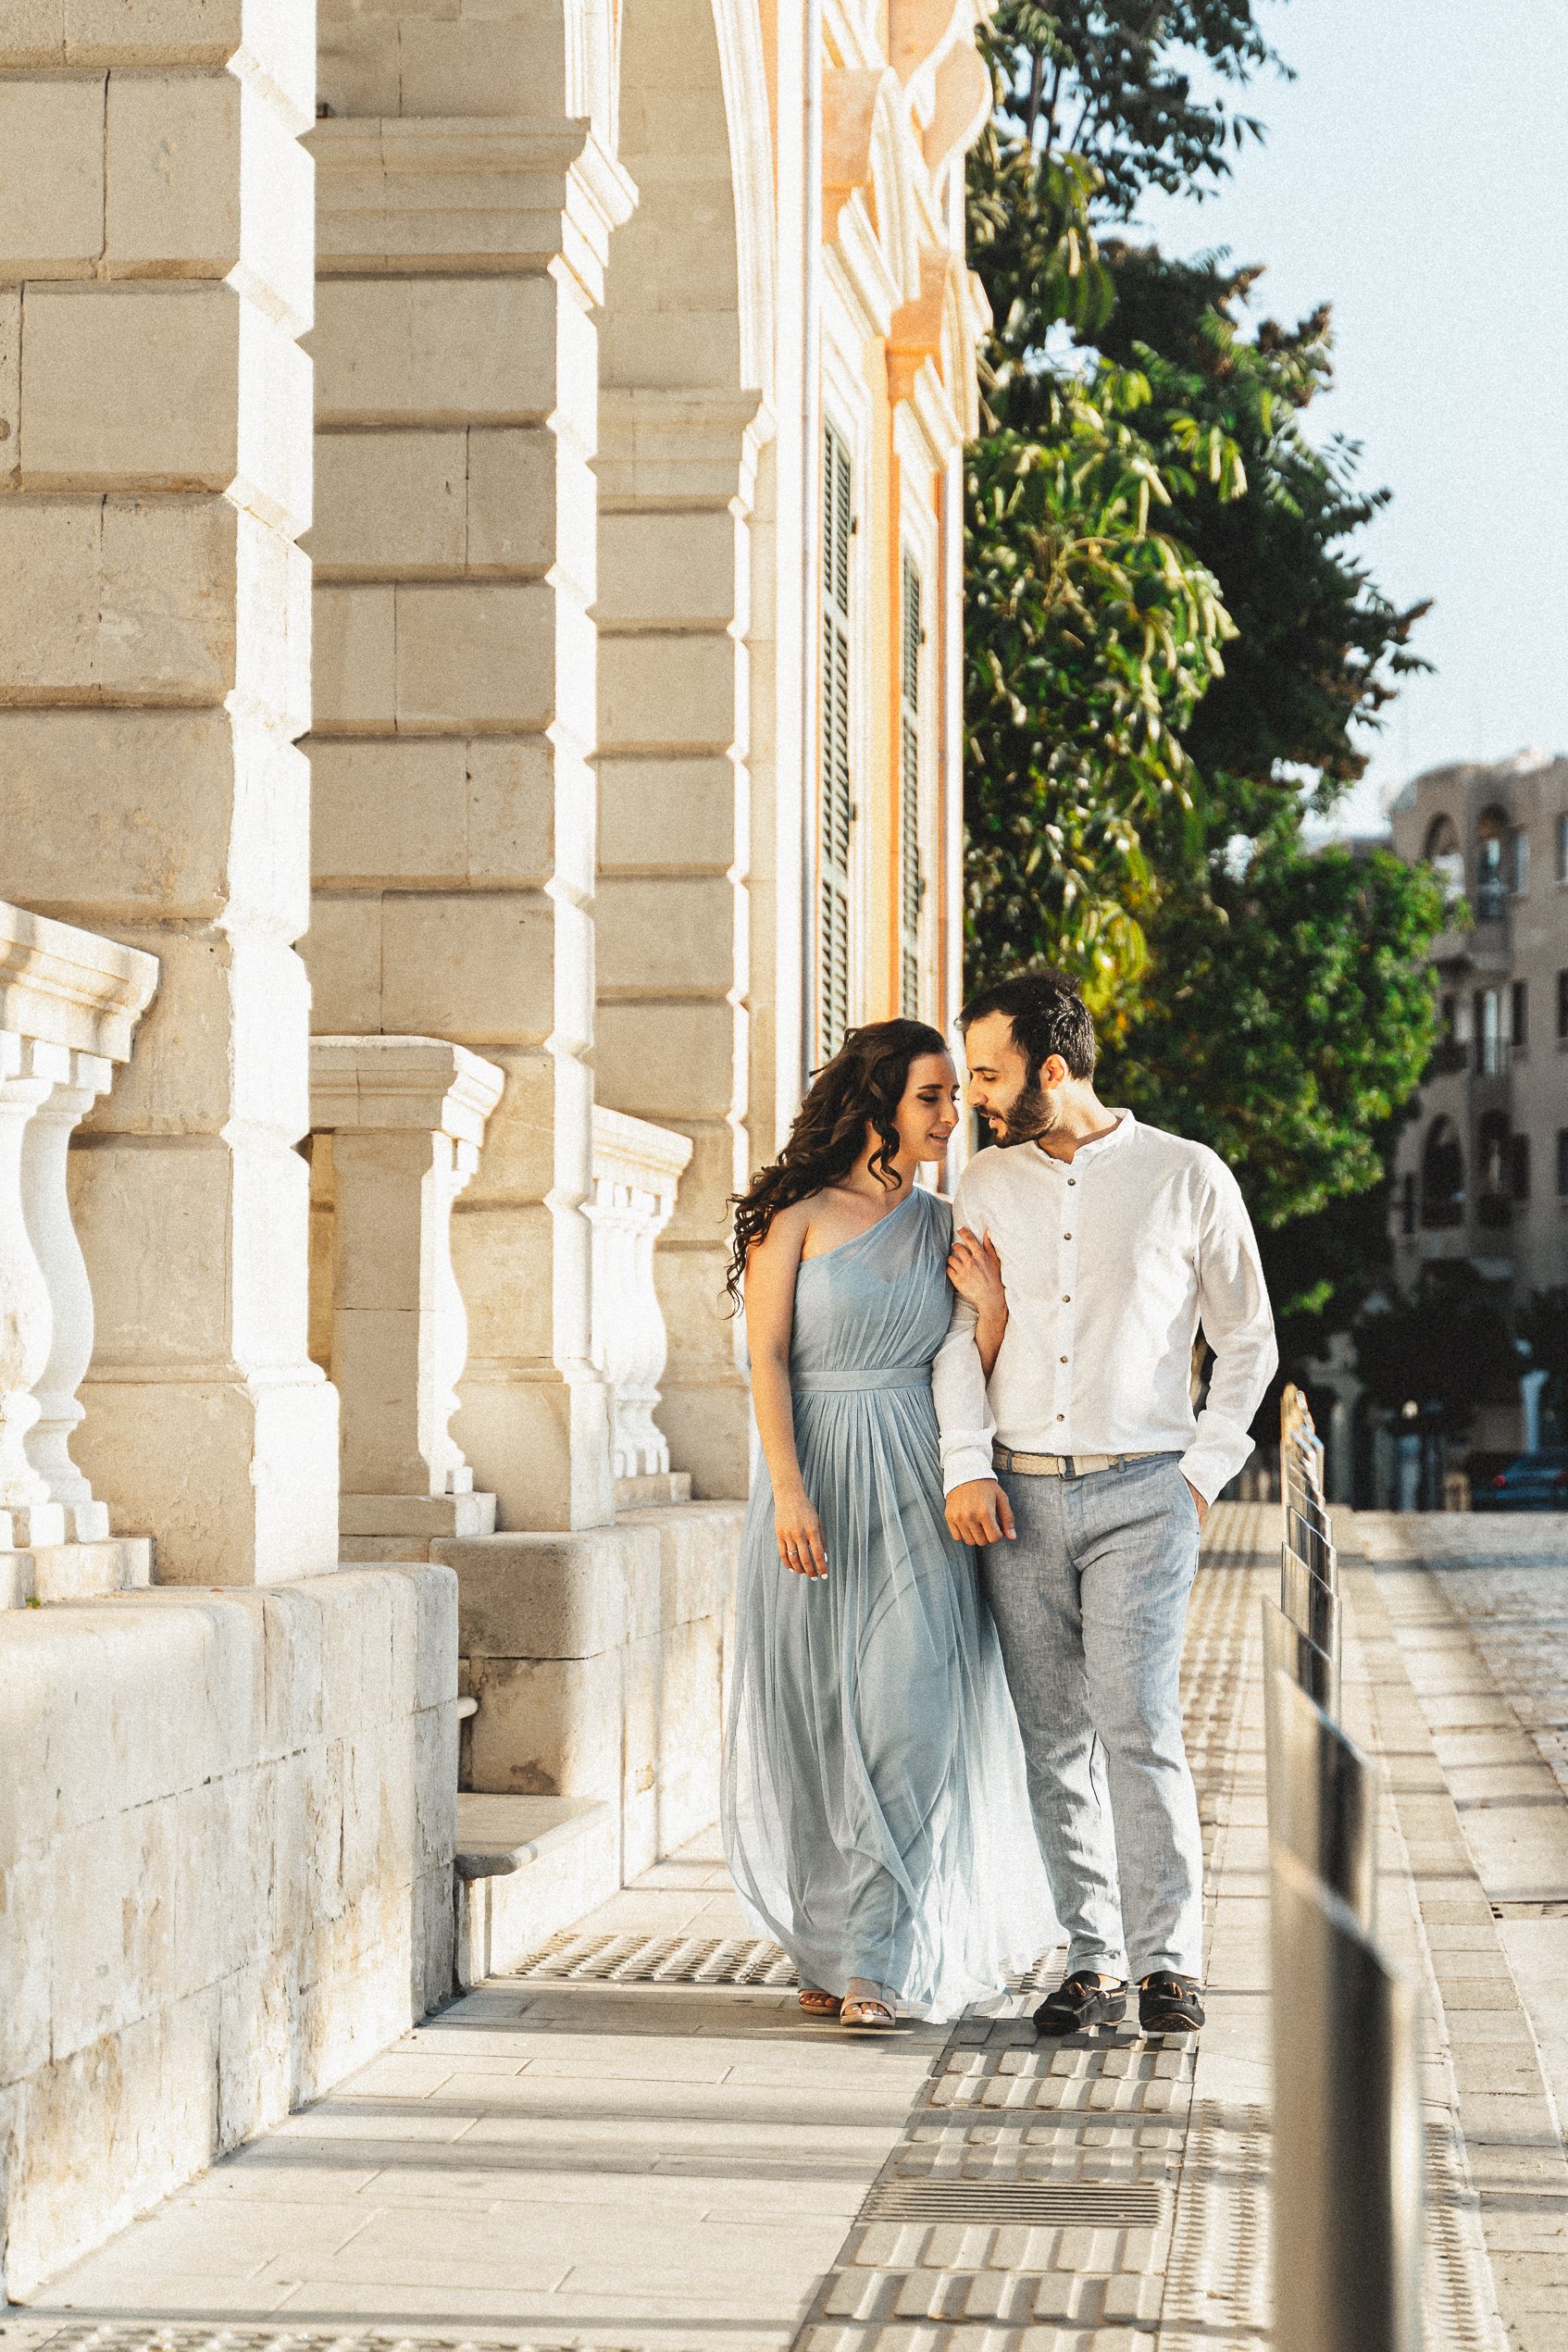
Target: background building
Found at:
405, 1077
1481, 1178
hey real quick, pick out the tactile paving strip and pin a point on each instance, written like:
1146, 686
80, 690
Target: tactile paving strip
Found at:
144, 2337
695, 1960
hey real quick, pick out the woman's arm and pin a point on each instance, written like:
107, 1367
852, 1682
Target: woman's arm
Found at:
975, 1271
770, 1313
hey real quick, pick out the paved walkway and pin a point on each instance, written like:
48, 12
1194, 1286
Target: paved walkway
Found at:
636, 2142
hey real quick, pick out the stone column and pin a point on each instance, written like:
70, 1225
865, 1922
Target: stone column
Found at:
155, 273
676, 482
637, 1173
462, 254
402, 1119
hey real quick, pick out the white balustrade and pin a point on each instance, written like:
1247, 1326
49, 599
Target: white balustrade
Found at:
405, 1116
69, 1005
636, 1172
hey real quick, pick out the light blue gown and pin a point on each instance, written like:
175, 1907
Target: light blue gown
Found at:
875, 1812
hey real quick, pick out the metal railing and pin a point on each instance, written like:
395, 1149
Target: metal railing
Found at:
1347, 2172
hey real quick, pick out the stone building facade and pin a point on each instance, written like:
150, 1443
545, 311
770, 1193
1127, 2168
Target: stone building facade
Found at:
1481, 1177
480, 548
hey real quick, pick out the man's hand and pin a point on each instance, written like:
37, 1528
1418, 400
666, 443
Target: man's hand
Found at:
1198, 1498
979, 1513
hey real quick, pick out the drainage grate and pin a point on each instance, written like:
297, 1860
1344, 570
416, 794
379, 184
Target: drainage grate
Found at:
697, 1959
1050, 2205
658, 1959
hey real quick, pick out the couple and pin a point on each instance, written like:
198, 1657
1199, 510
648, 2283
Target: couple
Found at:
922, 1766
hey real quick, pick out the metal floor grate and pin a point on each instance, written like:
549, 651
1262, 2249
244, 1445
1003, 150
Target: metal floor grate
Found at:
698, 1959
658, 1959
148, 2336
1048, 2205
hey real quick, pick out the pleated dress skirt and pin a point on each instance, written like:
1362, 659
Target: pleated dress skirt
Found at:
876, 1817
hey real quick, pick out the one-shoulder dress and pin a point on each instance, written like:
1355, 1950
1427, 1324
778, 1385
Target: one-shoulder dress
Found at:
876, 1816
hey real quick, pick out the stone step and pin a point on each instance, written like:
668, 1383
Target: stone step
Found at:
527, 1867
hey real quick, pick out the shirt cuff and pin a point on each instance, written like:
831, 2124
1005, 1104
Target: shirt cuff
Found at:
965, 1462
1210, 1470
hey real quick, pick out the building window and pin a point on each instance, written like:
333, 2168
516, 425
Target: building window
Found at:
1562, 1164
1494, 1207
1563, 1008
1519, 1014
1519, 844
1491, 888
1519, 1168
1445, 857
1407, 1204
837, 794
1442, 1176
1562, 847
1491, 1046
912, 883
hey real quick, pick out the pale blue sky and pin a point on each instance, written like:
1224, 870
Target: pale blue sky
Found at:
1415, 175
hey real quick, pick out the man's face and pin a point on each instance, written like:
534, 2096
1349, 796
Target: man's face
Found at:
1016, 1107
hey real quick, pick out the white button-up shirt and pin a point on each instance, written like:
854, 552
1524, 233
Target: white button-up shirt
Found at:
1111, 1260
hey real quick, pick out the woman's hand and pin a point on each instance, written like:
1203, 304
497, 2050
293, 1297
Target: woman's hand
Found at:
799, 1531
975, 1271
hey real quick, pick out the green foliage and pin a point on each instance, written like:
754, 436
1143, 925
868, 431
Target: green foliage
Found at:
1292, 1013
1110, 80
1091, 637
1144, 497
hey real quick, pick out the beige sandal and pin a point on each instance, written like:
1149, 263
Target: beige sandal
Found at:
815, 2002
865, 2015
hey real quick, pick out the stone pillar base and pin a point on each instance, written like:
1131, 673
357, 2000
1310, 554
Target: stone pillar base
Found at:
403, 1526
651, 1487
75, 1571
597, 1661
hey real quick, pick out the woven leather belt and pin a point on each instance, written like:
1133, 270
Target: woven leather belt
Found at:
1059, 1465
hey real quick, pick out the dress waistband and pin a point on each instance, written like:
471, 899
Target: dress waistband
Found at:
840, 1383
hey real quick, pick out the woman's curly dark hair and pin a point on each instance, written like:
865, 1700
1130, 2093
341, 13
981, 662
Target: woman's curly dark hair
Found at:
860, 1088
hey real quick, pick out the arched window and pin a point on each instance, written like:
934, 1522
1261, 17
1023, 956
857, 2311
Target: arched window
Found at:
1491, 881
1444, 855
1442, 1176
1493, 1156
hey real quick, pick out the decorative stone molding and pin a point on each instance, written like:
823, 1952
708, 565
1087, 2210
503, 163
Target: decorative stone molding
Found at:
436, 195
867, 186
963, 97
405, 1116
68, 1004
636, 1172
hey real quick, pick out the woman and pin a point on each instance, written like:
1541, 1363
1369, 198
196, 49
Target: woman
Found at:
876, 1819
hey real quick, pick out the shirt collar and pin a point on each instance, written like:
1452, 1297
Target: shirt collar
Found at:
1120, 1134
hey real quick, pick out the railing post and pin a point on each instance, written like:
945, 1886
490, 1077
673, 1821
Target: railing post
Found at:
1347, 2130
69, 1001
636, 1172
404, 1117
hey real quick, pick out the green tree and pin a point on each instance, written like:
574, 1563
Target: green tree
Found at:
1270, 999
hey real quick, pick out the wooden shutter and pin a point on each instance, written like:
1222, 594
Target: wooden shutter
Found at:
912, 886
837, 800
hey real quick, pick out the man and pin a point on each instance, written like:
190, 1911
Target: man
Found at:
1082, 1473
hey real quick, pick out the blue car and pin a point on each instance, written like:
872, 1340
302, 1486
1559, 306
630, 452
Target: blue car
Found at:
1536, 1482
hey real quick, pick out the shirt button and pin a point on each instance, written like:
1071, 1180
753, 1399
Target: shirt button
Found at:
1066, 1298
1066, 1237
1064, 1359
1061, 1416
1072, 1179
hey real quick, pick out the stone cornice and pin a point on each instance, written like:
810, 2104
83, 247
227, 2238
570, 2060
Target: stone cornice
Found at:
396, 197
69, 988
407, 1082
679, 448
635, 1153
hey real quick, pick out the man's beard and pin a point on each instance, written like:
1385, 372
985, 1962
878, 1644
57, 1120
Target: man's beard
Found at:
1032, 1115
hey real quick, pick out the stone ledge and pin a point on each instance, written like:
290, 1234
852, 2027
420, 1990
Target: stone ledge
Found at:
75, 1571
70, 988
499, 1835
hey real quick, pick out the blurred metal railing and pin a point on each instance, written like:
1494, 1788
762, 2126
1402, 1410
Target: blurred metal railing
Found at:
1346, 2174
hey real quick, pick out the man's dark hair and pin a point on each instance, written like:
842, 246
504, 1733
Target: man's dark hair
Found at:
1048, 1016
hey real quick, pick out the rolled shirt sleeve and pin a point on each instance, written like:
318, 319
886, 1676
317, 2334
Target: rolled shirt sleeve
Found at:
958, 1388
1234, 1314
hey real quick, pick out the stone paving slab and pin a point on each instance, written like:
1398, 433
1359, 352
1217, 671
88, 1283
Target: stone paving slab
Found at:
635, 2144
